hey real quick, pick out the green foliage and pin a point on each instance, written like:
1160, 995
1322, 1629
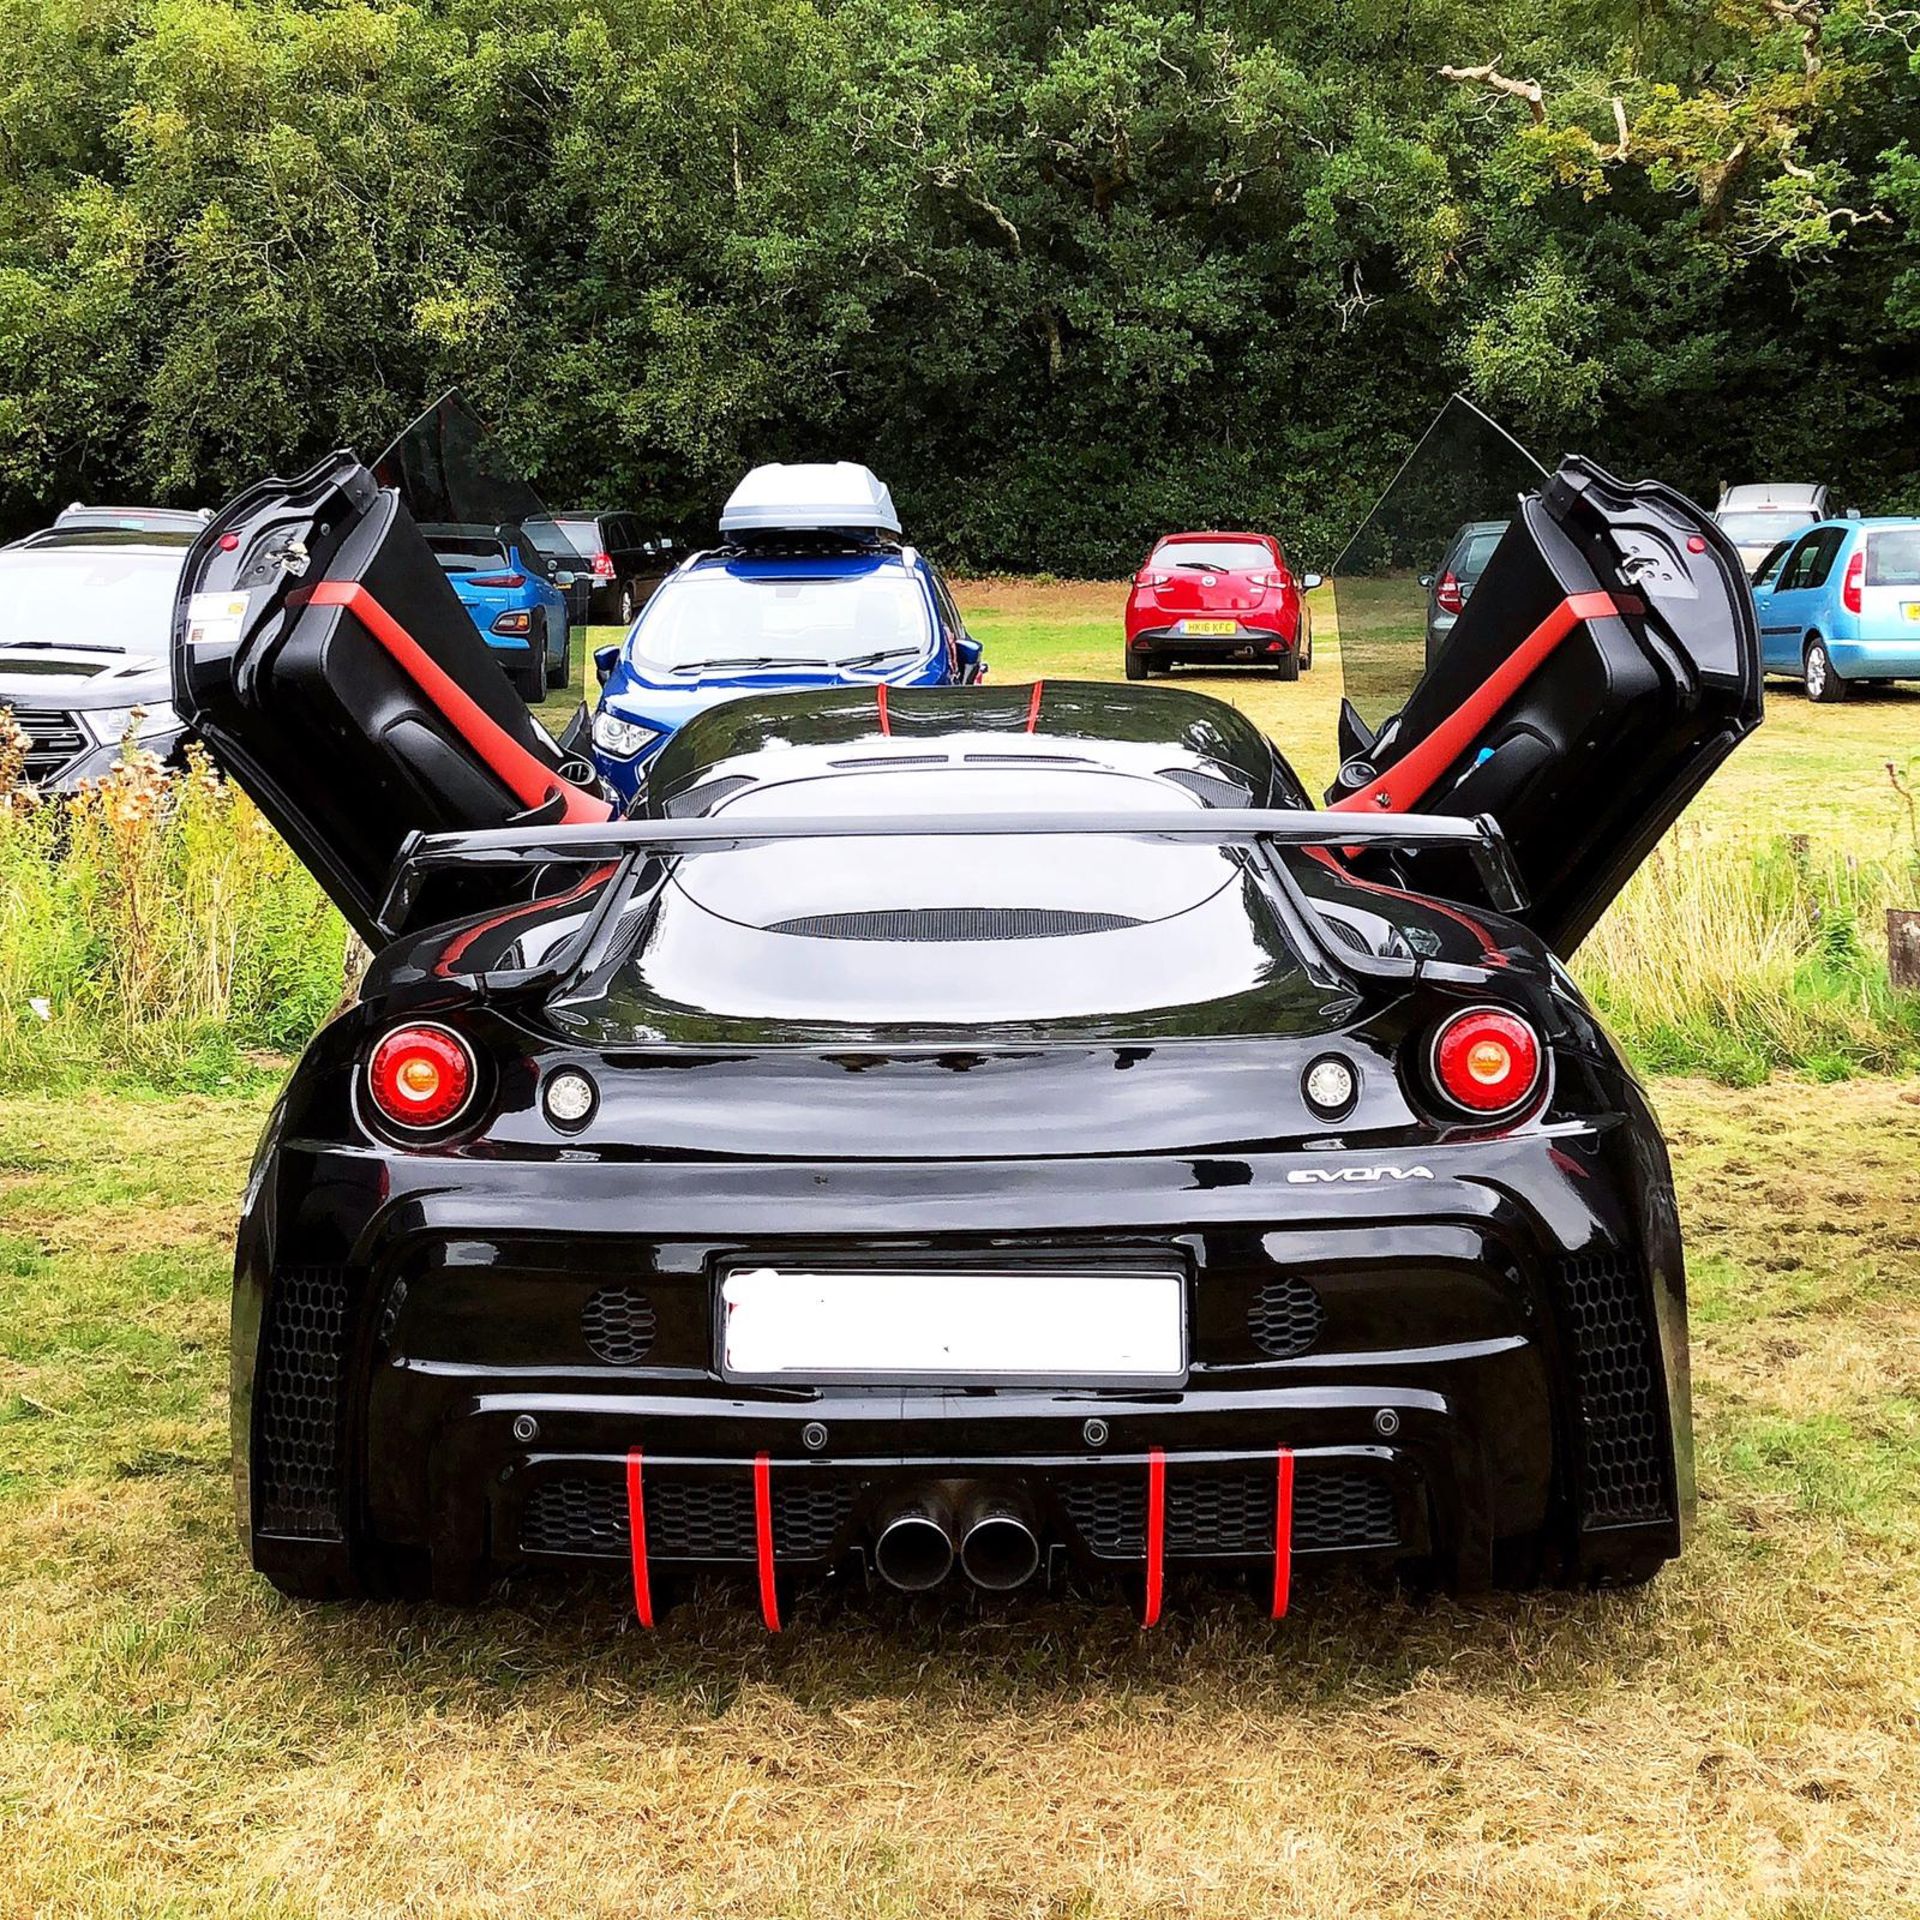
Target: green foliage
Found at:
154, 924
1064, 273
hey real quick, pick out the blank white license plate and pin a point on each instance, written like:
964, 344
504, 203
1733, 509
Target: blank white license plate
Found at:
938, 1326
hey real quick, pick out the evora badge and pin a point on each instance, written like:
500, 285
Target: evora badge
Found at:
1306, 1176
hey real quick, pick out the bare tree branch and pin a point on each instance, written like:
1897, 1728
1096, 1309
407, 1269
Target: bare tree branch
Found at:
1491, 76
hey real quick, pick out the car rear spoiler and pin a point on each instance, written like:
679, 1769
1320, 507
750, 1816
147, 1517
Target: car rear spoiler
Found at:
623, 846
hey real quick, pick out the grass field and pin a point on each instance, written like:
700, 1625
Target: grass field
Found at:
1739, 1739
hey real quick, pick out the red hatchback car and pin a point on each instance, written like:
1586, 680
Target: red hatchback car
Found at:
1221, 597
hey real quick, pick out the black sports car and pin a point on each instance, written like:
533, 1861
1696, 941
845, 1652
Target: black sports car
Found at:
966, 1132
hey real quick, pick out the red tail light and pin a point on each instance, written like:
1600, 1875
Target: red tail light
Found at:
603, 566
1850, 586
1146, 577
496, 579
1449, 595
1486, 1061
421, 1077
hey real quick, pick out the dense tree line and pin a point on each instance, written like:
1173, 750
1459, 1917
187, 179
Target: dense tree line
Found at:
1062, 272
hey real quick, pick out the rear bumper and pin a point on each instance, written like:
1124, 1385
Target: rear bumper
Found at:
1493, 1383
1894, 658
1249, 638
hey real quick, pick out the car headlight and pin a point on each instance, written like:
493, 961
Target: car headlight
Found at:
621, 738
109, 725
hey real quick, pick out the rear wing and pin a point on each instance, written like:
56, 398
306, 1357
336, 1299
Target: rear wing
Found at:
620, 848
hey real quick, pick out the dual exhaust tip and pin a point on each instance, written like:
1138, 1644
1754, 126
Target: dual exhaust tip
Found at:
992, 1539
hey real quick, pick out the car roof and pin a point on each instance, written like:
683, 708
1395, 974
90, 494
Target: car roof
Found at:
1218, 533
1187, 738
84, 539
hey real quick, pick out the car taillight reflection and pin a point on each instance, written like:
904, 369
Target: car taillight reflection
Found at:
1449, 595
1486, 1061
421, 1077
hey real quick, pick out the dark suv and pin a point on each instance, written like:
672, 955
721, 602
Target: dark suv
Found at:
624, 562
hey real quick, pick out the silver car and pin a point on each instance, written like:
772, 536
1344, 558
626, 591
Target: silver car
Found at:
1757, 517
86, 617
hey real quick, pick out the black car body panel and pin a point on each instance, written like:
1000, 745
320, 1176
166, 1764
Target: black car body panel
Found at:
908, 987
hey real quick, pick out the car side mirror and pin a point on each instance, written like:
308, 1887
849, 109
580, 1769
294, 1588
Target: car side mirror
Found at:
1426, 579
1308, 581
605, 659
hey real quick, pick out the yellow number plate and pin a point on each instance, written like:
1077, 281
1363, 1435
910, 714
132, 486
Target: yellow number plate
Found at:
1209, 626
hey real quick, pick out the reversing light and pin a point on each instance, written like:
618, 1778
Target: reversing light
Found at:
421, 1077
569, 1098
1486, 1061
517, 622
1330, 1086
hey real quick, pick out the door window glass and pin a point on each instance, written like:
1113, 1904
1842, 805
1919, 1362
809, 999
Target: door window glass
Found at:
1826, 548
1798, 572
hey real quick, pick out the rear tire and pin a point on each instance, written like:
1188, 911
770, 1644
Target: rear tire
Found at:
1138, 665
626, 605
529, 677
1290, 665
1822, 682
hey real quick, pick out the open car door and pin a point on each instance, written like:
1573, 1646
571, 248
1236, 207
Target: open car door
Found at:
322, 655
1579, 687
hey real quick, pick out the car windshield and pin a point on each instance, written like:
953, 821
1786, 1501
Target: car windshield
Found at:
1471, 561
582, 536
721, 616
1893, 557
1763, 527
460, 555
93, 596
1213, 556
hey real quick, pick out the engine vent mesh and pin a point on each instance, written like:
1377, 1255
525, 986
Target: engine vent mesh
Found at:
297, 1404
1286, 1318
1233, 1513
704, 1519
1618, 1372
953, 924
617, 1324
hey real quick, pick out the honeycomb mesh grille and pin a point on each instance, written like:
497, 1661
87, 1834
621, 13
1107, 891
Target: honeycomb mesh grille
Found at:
297, 1403
1618, 1374
1286, 1318
954, 923
1232, 1513
706, 1519
617, 1324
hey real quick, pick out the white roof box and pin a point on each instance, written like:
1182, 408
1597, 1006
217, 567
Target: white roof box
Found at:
839, 497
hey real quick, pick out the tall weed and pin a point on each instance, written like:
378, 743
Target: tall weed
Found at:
153, 922
1735, 958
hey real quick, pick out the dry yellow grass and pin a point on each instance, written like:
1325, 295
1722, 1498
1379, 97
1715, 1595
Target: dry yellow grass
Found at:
1740, 1739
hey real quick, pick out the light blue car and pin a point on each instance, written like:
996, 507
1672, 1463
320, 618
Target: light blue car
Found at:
1839, 604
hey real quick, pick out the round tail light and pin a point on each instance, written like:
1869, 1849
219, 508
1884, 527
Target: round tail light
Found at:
421, 1077
1486, 1061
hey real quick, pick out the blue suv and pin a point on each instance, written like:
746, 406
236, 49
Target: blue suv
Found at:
812, 589
512, 593
1839, 605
